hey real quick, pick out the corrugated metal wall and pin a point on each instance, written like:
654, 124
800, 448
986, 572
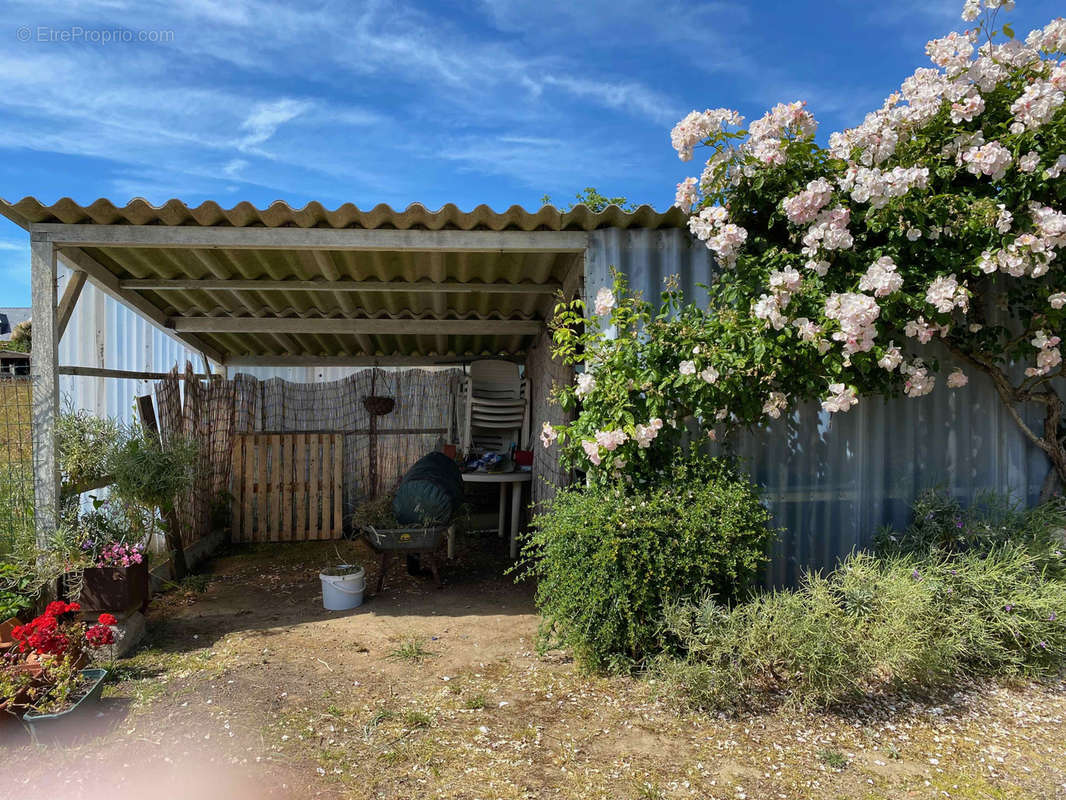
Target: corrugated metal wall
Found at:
832, 480
104, 333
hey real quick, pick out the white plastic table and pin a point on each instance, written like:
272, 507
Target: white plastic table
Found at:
505, 479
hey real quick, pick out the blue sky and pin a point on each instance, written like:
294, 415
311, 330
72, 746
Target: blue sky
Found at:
487, 101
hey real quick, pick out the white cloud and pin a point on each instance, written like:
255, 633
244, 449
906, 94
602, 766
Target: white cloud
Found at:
266, 118
314, 101
233, 169
539, 162
623, 96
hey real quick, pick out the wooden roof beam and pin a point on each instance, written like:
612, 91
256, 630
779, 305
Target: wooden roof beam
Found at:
333, 286
396, 327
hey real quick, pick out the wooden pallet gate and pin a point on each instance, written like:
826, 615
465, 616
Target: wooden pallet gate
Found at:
288, 487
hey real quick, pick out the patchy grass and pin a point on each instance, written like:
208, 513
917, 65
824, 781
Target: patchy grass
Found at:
255, 677
417, 719
475, 702
833, 759
196, 583
412, 650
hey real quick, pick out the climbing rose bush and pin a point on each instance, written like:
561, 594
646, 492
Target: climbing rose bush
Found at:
934, 226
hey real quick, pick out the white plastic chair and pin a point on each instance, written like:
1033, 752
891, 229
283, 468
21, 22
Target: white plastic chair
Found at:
496, 400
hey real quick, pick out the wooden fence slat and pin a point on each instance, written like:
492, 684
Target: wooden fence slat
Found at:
285, 484
248, 476
313, 504
300, 493
275, 488
261, 502
288, 487
338, 487
236, 481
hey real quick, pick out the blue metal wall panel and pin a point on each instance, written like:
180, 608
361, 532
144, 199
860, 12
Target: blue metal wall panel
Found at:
105, 333
833, 480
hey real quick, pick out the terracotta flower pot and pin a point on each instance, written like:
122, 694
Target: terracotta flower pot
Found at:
115, 589
12, 708
33, 666
6, 627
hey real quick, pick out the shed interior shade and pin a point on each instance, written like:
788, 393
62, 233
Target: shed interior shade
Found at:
237, 296
226, 296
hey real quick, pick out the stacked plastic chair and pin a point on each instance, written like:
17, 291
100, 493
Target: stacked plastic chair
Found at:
496, 402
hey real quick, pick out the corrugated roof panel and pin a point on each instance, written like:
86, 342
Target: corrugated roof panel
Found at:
517, 286
314, 215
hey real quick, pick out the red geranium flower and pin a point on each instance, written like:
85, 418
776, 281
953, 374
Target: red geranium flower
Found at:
107, 619
57, 608
100, 635
42, 635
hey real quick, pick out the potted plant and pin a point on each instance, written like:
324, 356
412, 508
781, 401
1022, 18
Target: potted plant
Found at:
70, 692
116, 579
149, 476
56, 633
16, 690
48, 678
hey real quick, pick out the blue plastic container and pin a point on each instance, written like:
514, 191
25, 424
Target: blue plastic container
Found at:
60, 726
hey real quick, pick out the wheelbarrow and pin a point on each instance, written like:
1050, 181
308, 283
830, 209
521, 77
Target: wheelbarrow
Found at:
421, 542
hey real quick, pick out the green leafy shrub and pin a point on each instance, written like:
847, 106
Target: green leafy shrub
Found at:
15, 591
607, 558
85, 445
941, 525
872, 625
150, 473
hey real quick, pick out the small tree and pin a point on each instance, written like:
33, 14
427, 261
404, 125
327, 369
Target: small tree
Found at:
22, 336
937, 219
595, 201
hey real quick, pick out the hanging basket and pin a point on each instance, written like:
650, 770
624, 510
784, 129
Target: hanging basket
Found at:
379, 406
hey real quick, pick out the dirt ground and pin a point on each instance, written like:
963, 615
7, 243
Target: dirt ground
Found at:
247, 688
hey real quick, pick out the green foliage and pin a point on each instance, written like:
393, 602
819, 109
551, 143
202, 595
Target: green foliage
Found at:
196, 583
899, 622
27, 568
64, 683
412, 650
635, 360
595, 201
15, 591
13, 681
801, 308
86, 444
24, 568
475, 702
942, 526
833, 759
152, 474
21, 337
607, 558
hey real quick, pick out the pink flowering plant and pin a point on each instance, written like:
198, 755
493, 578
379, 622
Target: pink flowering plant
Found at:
106, 538
652, 377
936, 226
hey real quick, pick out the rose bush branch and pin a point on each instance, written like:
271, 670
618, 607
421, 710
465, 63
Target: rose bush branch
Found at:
938, 220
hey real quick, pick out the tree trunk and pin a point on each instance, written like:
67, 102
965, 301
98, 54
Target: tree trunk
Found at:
1056, 449
177, 549
1051, 440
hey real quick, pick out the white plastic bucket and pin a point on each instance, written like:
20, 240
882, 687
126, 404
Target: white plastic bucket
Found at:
344, 591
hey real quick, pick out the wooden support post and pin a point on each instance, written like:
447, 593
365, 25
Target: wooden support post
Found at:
45, 381
69, 300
